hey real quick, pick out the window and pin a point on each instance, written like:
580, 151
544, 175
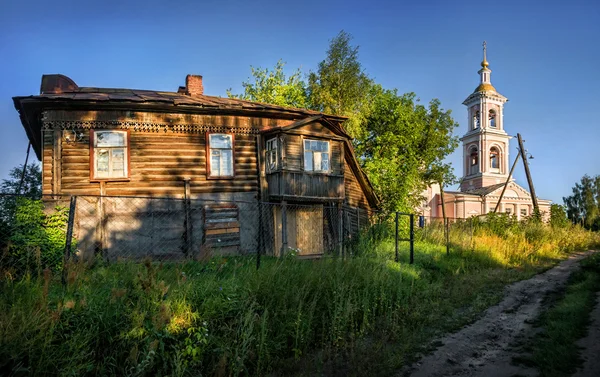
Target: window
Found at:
110, 155
476, 120
508, 211
523, 212
494, 158
316, 155
272, 157
474, 161
220, 155
492, 118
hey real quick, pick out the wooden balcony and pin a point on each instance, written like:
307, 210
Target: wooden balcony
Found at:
292, 185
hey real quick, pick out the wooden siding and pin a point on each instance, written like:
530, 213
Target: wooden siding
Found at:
355, 196
158, 163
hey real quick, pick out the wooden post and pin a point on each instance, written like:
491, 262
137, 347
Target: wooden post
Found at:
284, 240
67, 253
507, 181
188, 222
536, 208
72, 207
445, 218
396, 259
412, 238
102, 223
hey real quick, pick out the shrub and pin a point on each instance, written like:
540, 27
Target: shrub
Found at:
36, 240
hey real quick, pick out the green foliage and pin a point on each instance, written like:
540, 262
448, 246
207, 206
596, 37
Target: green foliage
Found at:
584, 205
558, 216
553, 350
272, 86
340, 86
400, 144
405, 147
37, 239
31, 188
224, 317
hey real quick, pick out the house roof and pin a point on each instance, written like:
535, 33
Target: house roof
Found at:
60, 92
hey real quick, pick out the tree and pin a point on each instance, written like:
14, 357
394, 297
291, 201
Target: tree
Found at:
340, 86
274, 87
558, 216
31, 187
404, 147
584, 205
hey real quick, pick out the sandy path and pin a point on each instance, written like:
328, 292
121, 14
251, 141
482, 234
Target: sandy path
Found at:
484, 348
591, 345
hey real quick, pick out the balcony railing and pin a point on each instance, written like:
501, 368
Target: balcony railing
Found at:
303, 186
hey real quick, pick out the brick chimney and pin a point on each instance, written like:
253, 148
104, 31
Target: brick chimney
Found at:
193, 85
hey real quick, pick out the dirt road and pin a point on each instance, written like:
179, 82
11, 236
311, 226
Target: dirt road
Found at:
485, 348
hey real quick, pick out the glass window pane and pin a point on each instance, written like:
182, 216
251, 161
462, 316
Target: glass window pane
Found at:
325, 161
308, 161
215, 163
110, 139
306, 145
220, 141
226, 163
324, 146
317, 157
102, 162
118, 163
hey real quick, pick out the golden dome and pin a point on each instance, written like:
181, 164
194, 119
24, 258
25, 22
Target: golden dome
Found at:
485, 63
485, 87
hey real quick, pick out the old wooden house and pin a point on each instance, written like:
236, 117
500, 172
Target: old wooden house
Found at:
228, 165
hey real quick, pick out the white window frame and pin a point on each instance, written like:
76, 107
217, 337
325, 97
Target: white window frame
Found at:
272, 151
212, 172
315, 153
121, 174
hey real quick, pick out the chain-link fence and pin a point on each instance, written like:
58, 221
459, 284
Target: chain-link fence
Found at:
38, 234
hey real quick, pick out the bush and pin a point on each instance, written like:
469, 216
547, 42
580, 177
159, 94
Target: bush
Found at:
34, 240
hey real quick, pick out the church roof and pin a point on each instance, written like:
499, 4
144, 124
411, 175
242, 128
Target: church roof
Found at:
484, 87
483, 191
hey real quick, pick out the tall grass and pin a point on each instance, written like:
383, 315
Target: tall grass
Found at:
367, 314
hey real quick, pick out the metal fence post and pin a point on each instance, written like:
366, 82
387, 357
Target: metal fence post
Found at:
396, 236
412, 238
447, 237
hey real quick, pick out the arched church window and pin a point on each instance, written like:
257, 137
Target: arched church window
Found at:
492, 117
473, 161
476, 120
494, 158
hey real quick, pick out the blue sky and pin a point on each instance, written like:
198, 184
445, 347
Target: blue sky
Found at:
544, 56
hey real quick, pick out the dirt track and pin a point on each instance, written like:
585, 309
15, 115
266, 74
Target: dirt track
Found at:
485, 348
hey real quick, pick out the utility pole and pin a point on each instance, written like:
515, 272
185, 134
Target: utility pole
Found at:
507, 181
536, 208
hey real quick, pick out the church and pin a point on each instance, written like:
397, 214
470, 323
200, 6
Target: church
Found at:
486, 163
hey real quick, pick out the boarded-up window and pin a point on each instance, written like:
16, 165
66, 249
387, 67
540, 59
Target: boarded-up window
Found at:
110, 155
221, 225
220, 155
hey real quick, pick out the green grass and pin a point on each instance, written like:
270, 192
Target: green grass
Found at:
553, 350
362, 315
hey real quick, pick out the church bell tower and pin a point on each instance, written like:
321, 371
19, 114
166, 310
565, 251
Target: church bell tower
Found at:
485, 145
